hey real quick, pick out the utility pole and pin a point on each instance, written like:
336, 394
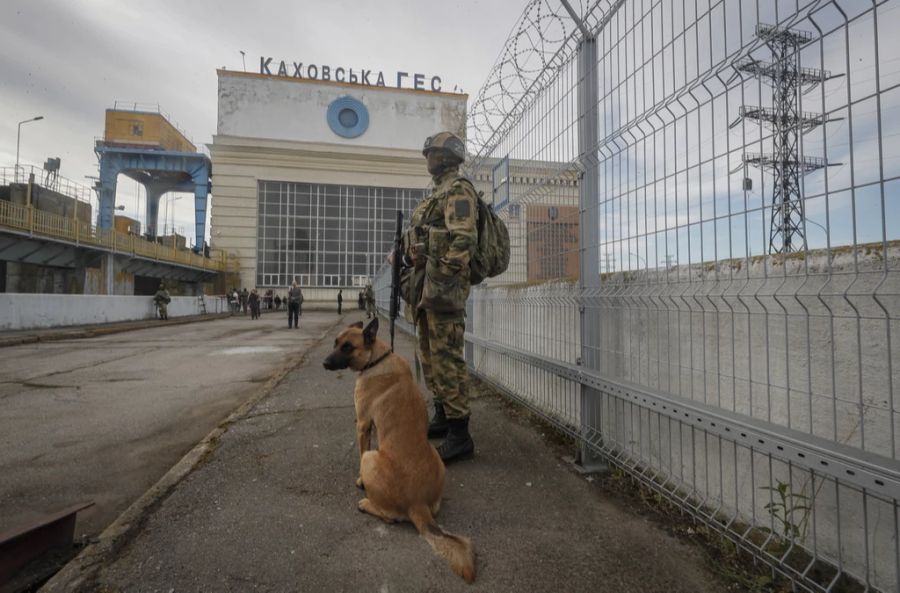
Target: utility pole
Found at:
788, 123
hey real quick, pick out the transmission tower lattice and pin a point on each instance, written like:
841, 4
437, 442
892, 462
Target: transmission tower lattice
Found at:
787, 122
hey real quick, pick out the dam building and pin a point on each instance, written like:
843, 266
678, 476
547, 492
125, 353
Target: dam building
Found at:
308, 174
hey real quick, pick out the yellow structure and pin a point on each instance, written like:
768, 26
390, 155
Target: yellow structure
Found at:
127, 225
66, 229
144, 129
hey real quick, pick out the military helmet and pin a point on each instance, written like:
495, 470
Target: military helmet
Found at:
448, 141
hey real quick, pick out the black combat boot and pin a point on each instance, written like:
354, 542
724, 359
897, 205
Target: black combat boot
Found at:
438, 425
458, 445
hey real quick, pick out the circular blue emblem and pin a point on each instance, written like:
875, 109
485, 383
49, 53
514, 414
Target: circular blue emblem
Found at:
348, 117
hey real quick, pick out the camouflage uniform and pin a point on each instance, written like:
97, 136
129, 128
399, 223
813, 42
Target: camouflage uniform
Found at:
440, 240
369, 297
162, 299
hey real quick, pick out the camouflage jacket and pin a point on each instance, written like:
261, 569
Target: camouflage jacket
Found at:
162, 296
440, 240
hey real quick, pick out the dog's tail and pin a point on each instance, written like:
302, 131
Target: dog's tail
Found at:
455, 549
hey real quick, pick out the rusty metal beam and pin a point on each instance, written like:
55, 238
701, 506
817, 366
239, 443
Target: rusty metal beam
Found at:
23, 544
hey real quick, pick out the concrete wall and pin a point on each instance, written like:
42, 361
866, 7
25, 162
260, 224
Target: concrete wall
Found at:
799, 344
542, 320
47, 200
33, 311
294, 109
275, 129
33, 278
239, 163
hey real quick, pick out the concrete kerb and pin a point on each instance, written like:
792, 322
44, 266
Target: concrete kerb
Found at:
93, 331
74, 333
78, 574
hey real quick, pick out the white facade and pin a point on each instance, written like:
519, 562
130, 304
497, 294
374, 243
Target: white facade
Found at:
294, 109
19, 311
276, 129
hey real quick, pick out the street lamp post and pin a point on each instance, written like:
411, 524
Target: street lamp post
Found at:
18, 141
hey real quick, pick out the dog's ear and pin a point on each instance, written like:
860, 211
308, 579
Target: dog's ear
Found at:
370, 332
358, 324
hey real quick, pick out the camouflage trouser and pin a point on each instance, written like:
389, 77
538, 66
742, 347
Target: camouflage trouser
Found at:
441, 338
163, 310
370, 308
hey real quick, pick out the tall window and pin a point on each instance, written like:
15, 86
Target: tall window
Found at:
325, 235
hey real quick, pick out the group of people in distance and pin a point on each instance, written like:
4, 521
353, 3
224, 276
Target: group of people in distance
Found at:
241, 300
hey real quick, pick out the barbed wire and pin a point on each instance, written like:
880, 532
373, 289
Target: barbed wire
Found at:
542, 40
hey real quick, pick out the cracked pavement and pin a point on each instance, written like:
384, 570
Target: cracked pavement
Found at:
102, 419
273, 508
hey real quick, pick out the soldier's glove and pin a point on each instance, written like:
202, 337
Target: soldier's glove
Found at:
419, 258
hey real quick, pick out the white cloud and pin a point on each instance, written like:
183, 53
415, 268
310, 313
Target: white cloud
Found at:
69, 60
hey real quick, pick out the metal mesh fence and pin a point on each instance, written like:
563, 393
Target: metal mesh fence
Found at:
704, 288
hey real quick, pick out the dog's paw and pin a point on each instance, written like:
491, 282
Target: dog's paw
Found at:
359, 484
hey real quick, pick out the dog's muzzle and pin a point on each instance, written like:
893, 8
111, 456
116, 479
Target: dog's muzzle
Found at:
335, 362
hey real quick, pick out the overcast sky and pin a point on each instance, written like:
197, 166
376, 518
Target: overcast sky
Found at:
70, 60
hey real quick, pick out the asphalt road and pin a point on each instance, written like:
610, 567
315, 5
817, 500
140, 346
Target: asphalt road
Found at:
102, 419
274, 509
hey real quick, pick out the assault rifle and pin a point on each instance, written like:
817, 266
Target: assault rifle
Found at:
396, 269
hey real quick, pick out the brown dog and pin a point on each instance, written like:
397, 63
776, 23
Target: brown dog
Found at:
404, 478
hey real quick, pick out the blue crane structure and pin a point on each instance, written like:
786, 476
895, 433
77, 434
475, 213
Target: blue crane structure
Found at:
159, 171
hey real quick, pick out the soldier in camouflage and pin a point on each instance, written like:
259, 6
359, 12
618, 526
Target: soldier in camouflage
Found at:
162, 300
437, 248
369, 296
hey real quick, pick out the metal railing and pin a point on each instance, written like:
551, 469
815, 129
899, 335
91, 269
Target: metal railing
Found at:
731, 338
35, 222
57, 183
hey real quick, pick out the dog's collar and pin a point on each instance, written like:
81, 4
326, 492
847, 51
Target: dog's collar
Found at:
372, 363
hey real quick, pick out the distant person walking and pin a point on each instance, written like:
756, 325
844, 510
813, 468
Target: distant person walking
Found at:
245, 297
370, 301
295, 300
340, 300
278, 302
162, 300
362, 301
253, 301
235, 301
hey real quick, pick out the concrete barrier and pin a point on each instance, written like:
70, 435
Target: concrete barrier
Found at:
803, 345
20, 311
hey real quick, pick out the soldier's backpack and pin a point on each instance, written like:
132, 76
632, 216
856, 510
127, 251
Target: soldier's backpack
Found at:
491, 256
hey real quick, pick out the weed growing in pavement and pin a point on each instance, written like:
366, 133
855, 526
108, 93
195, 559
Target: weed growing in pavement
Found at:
789, 510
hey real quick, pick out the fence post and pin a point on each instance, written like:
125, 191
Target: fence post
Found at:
589, 267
